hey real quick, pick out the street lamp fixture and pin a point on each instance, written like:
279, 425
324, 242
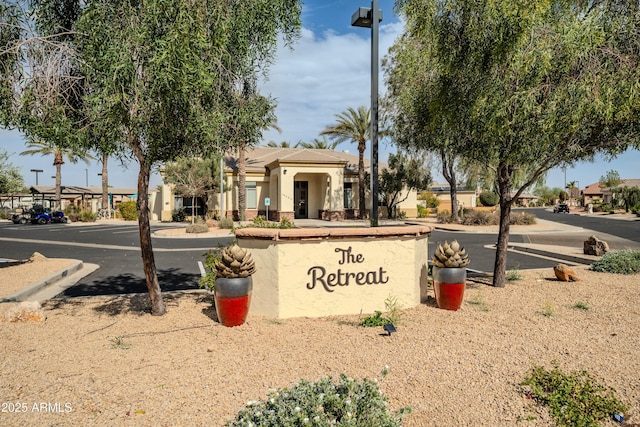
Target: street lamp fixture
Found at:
37, 171
370, 18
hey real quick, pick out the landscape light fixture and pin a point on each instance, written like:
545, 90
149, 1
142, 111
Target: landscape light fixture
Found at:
389, 328
37, 171
370, 18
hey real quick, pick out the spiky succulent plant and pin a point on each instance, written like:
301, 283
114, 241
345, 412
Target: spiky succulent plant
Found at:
450, 255
234, 261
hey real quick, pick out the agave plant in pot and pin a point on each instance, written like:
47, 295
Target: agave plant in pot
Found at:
449, 274
232, 269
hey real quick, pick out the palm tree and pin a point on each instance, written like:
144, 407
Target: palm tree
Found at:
45, 148
319, 144
283, 144
354, 126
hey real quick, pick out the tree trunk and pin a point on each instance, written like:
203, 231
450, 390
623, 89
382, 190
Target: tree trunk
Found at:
361, 193
148, 260
242, 191
105, 184
504, 189
193, 212
449, 173
59, 187
58, 161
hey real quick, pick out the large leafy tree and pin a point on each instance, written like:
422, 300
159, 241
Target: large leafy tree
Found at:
192, 177
354, 126
405, 174
11, 180
522, 84
166, 82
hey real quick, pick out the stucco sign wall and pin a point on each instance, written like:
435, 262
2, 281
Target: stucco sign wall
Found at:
322, 272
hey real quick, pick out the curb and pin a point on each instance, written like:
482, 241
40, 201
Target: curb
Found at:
73, 273
573, 258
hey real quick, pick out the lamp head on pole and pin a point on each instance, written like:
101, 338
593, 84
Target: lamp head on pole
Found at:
362, 17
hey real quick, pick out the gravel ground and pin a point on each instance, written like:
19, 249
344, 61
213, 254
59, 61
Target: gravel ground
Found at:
106, 361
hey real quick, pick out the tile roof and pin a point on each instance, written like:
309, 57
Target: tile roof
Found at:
258, 158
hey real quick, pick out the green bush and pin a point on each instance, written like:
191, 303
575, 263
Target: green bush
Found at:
603, 207
489, 198
574, 399
423, 212
226, 222
88, 216
377, 319
178, 215
322, 403
621, 262
128, 210
431, 201
209, 279
197, 228
636, 209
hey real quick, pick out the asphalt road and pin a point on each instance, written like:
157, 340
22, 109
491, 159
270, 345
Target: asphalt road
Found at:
116, 249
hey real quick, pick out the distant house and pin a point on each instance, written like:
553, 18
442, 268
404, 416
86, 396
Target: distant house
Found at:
296, 183
595, 194
466, 197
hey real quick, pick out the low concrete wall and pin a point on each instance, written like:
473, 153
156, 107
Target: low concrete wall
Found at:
315, 272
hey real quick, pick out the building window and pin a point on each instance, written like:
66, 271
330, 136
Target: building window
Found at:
348, 195
252, 195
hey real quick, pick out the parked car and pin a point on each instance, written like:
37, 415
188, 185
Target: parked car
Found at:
562, 207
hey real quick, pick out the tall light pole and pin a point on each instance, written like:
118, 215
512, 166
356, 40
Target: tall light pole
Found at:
370, 18
86, 174
37, 171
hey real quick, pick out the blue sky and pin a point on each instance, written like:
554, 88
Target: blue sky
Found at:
327, 71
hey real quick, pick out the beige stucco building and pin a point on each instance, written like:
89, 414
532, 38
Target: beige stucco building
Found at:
295, 183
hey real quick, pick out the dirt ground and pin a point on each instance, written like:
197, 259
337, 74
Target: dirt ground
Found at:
107, 361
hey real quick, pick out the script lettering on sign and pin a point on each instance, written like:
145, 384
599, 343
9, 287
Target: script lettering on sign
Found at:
329, 280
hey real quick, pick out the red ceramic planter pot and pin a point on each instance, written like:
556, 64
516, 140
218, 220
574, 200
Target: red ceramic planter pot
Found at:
449, 284
232, 299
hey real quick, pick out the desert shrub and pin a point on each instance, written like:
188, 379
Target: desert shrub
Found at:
376, 319
489, 198
574, 399
197, 228
444, 217
422, 211
622, 262
261, 222
178, 215
477, 217
88, 216
226, 222
286, 223
209, 279
636, 209
128, 210
5, 213
603, 207
523, 218
431, 201
323, 403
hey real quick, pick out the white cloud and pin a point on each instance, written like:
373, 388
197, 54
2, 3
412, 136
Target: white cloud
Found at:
322, 76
